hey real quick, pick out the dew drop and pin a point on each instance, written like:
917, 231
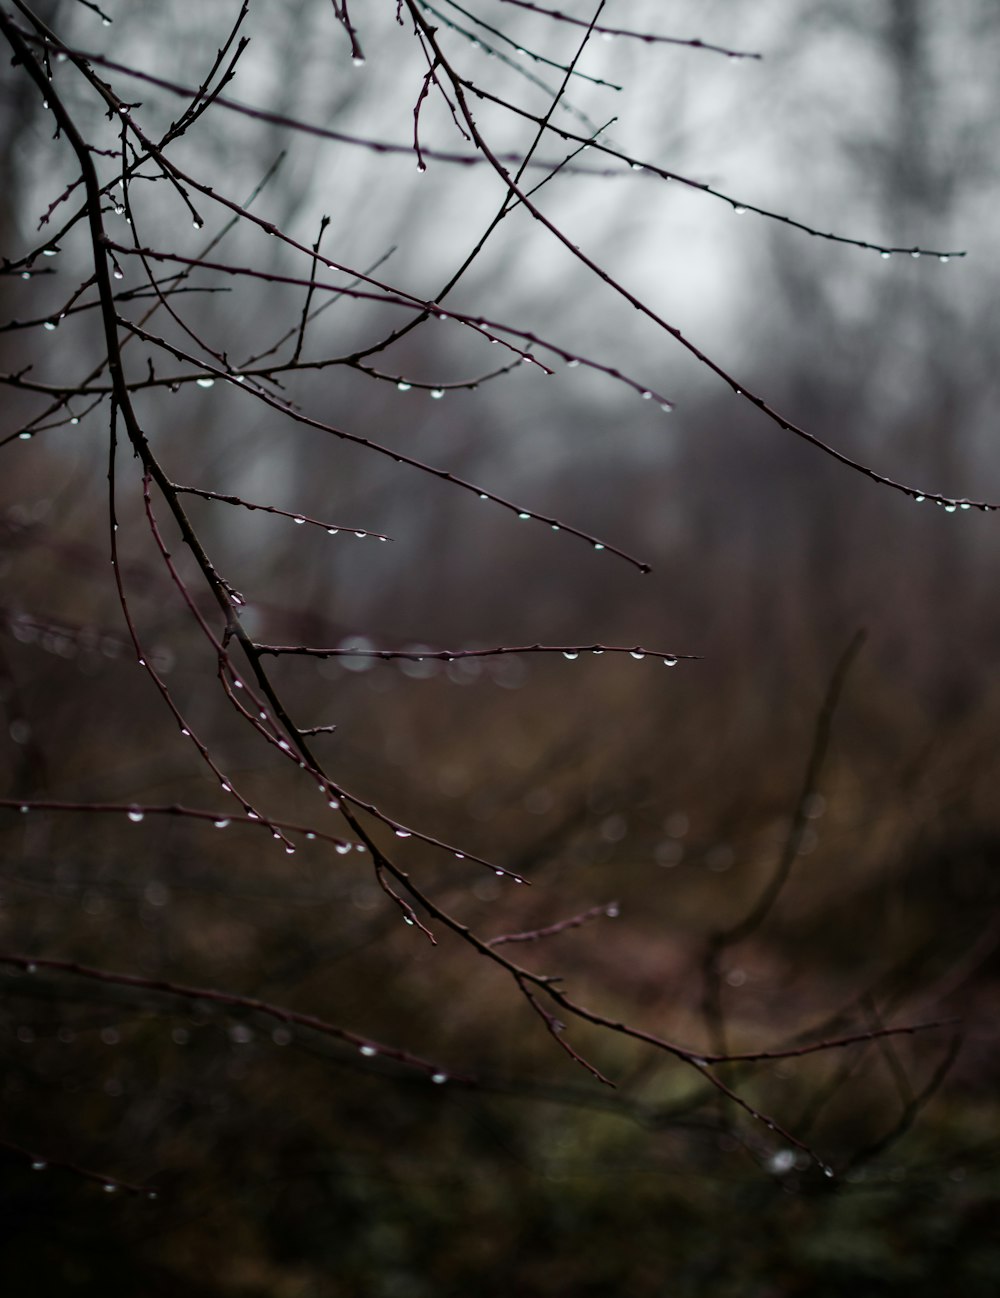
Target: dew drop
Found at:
885, 255
361, 535
950, 509
919, 499
49, 325
637, 654
332, 531
915, 254
403, 387
197, 223
944, 259
437, 393
407, 919
358, 61
646, 396
570, 654
670, 661
25, 437
403, 833
740, 211
523, 516
49, 252
26, 274
135, 815
369, 1052
598, 546
612, 911
300, 521
439, 1078
205, 383
221, 824
117, 274
38, 1165
110, 1187
421, 167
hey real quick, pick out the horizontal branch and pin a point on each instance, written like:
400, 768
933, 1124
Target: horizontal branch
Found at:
610, 911
138, 811
232, 1000
331, 529
833, 1043
647, 38
570, 651
110, 1184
